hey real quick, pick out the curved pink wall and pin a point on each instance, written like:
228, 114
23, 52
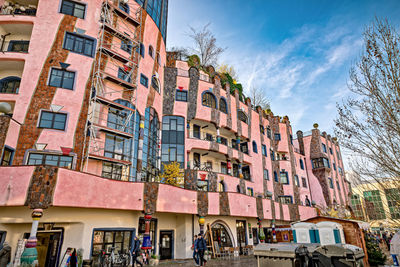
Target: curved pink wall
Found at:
14, 185
77, 189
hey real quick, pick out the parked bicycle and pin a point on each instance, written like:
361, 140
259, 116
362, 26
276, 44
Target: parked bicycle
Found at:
114, 259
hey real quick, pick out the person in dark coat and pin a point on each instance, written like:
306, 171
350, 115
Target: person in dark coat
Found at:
136, 251
5, 255
195, 254
200, 248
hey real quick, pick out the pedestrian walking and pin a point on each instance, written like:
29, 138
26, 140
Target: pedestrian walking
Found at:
201, 247
5, 255
195, 253
136, 251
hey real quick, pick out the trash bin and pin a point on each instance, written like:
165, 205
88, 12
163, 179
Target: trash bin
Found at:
284, 254
338, 255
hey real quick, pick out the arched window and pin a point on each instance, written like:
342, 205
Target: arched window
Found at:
151, 51
255, 147
208, 100
223, 106
10, 85
155, 83
242, 116
221, 186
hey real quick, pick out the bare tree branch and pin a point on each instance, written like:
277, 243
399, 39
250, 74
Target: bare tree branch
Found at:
205, 45
258, 98
369, 122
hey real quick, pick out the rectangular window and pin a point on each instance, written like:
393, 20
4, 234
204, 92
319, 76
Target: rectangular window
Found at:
141, 49
262, 129
52, 120
105, 240
275, 176
202, 185
337, 154
72, 8
266, 174
301, 164
304, 182
79, 44
330, 182
62, 79
117, 147
115, 171
144, 80
277, 137
235, 170
330, 151
18, 46
181, 95
125, 75
340, 171
246, 173
324, 148
126, 45
196, 131
49, 159
334, 166
264, 150
285, 199
224, 141
244, 148
272, 154
250, 191
269, 132
337, 185
284, 177
6, 159
320, 163
224, 168
235, 145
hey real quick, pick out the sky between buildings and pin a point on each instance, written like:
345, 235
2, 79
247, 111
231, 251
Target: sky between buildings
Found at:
299, 52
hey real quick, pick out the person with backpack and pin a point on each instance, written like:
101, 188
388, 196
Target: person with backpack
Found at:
200, 248
136, 251
195, 254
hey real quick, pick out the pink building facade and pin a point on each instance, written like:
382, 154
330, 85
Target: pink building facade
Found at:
93, 107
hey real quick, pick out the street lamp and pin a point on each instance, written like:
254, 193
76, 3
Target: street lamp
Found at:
7, 110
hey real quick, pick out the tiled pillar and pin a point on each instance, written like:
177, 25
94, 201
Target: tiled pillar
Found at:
29, 256
201, 224
146, 237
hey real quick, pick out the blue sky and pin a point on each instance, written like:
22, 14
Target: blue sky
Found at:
299, 52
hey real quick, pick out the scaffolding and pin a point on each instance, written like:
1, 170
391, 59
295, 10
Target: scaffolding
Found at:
115, 75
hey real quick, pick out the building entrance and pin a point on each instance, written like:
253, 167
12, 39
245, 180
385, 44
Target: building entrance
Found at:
166, 244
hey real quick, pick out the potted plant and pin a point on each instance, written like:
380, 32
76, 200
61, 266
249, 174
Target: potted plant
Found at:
154, 260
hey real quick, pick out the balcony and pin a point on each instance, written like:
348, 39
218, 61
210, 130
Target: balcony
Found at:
19, 8
15, 37
10, 76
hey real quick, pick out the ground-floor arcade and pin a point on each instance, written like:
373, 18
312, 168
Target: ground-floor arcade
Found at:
91, 231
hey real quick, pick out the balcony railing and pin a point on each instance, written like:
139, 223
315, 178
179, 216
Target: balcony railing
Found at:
17, 10
215, 138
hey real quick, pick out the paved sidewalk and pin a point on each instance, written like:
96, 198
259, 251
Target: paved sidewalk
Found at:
248, 261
